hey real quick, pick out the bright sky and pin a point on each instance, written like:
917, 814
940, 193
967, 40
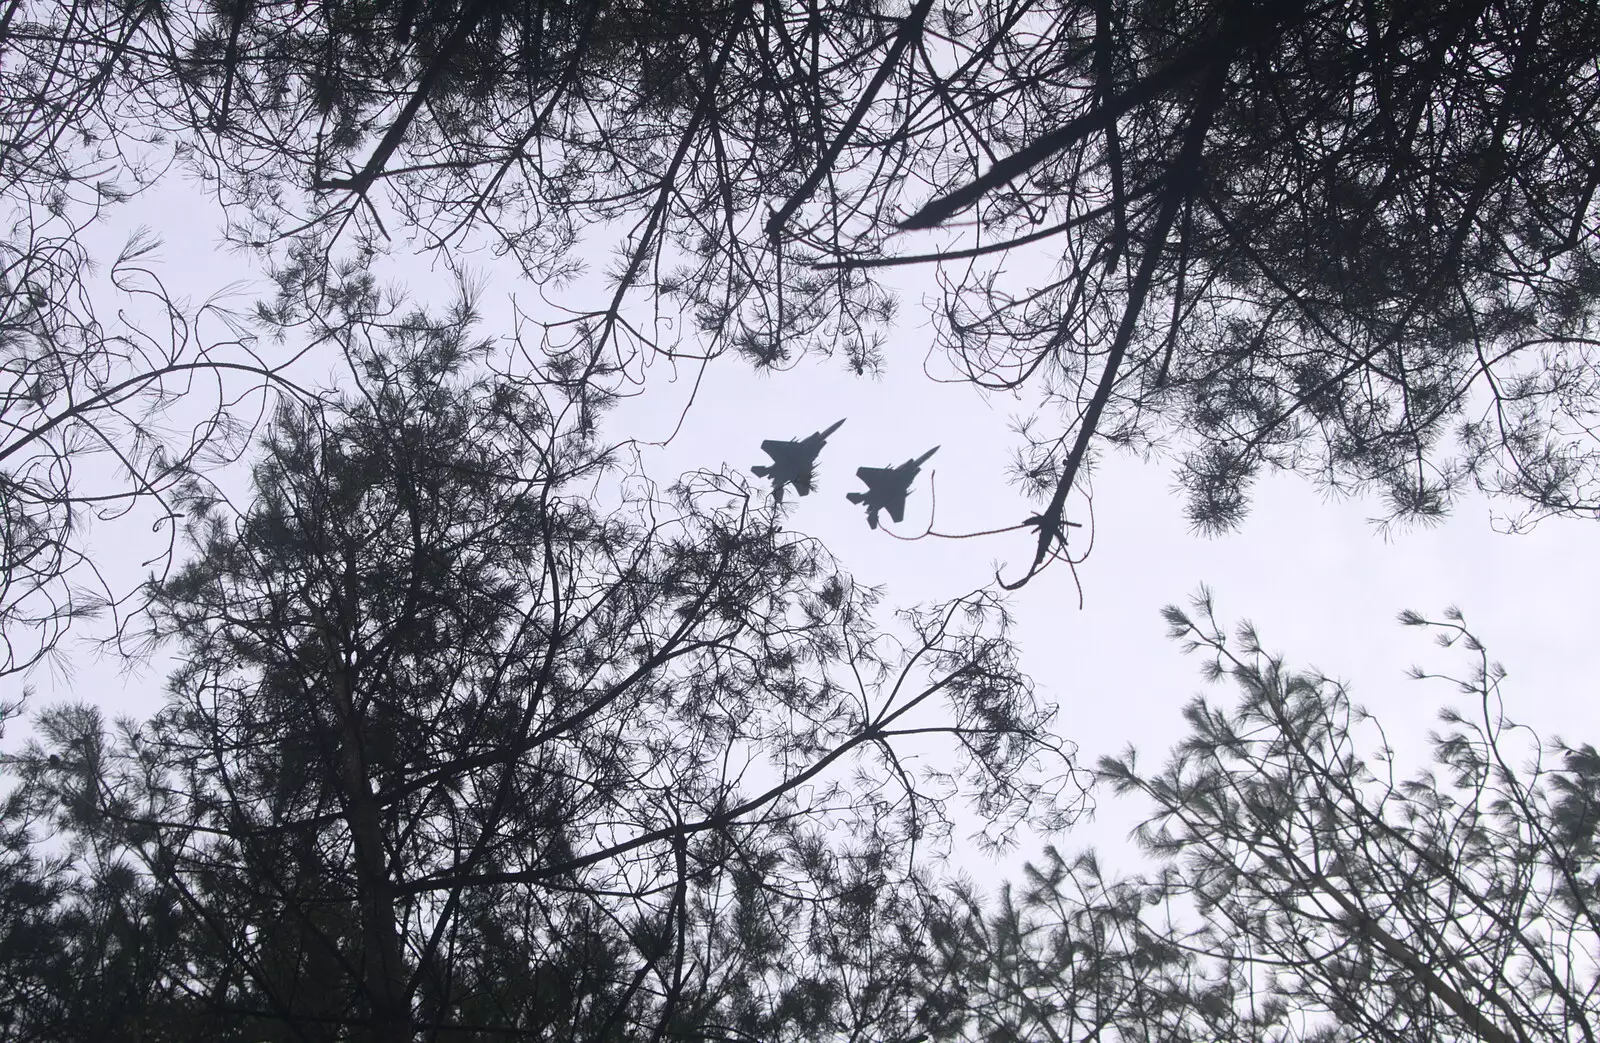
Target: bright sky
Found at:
1320, 583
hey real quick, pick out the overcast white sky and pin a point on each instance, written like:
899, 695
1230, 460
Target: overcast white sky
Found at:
1320, 583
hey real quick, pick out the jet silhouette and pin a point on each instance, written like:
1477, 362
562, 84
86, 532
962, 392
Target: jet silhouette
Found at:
793, 462
887, 488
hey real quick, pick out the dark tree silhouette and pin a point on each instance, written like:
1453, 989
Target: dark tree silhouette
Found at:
457, 747
90, 945
1309, 887
113, 392
1350, 240
102, 420
664, 128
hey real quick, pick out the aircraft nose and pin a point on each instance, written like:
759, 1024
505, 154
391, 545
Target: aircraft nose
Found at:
925, 456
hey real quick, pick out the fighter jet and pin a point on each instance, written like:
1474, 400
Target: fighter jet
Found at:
793, 462
887, 488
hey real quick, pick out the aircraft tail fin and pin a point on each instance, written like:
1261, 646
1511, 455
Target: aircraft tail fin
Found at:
760, 470
855, 497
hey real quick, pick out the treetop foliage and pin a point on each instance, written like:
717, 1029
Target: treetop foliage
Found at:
1350, 239
1307, 885
469, 736
456, 743
1347, 239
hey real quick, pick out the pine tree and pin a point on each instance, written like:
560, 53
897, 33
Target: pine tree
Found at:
466, 741
1307, 885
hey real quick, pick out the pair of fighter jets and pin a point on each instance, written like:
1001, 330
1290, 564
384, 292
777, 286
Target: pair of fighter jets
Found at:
794, 462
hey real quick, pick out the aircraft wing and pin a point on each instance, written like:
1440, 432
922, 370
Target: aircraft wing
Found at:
802, 480
779, 449
874, 476
895, 504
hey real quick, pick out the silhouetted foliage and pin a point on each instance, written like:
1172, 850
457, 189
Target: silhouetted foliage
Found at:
1352, 240
113, 392
472, 738
89, 944
1308, 887
469, 738
103, 420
